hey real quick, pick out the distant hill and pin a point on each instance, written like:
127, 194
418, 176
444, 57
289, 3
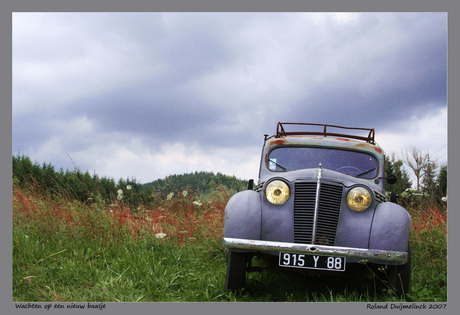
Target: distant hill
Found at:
197, 182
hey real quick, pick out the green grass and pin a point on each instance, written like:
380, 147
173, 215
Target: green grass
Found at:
429, 265
65, 251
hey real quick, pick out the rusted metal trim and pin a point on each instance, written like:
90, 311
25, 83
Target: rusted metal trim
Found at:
310, 249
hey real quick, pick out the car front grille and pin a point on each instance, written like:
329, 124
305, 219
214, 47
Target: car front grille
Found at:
330, 198
379, 197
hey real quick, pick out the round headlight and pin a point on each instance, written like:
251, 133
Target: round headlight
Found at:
277, 192
359, 199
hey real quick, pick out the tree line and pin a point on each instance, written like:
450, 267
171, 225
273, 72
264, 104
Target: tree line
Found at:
430, 177
73, 184
90, 188
203, 182
431, 181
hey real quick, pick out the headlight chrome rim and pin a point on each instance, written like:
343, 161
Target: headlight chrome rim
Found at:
277, 192
359, 199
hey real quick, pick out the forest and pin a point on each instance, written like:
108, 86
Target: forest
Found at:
90, 188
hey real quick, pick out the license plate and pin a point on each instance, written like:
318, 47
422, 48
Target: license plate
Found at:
312, 262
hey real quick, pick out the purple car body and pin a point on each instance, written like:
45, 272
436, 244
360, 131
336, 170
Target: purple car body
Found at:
319, 206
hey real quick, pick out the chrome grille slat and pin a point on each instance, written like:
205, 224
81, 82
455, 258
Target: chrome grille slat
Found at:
328, 212
379, 197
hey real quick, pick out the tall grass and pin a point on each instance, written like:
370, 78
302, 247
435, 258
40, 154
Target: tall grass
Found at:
66, 250
429, 247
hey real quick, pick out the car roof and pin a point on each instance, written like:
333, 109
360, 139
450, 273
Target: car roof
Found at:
326, 142
324, 135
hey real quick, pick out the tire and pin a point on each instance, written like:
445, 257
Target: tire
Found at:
393, 197
236, 270
400, 277
397, 278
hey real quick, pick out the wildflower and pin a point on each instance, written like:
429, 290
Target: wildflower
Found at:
197, 203
160, 235
171, 194
444, 199
128, 187
184, 193
120, 194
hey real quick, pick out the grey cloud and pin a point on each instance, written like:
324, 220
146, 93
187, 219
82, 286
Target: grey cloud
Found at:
375, 71
165, 107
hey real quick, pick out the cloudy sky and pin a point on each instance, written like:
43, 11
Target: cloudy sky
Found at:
146, 95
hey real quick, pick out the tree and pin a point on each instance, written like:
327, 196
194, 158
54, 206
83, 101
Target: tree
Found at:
441, 181
395, 166
417, 161
429, 178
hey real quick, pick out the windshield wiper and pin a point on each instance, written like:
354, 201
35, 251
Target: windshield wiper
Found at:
279, 165
364, 173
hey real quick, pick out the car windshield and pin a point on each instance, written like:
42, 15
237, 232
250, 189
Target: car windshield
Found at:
353, 163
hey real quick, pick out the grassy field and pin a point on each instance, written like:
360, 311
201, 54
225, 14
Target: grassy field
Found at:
68, 251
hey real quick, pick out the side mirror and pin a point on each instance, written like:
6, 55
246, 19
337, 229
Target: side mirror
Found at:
391, 179
251, 184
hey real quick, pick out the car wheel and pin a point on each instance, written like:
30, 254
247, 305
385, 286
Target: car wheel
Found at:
236, 270
393, 197
397, 278
400, 276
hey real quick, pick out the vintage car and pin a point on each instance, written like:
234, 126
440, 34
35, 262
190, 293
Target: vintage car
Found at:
319, 206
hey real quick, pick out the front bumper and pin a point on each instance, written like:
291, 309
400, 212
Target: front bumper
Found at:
308, 249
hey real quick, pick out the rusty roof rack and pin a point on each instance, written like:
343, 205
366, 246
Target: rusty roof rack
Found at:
280, 132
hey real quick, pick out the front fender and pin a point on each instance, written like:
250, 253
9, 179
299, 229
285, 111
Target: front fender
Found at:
390, 228
243, 216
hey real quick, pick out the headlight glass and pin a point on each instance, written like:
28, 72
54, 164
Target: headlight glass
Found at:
277, 192
359, 199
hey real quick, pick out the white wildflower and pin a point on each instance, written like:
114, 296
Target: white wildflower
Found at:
444, 199
120, 194
171, 194
197, 203
184, 193
160, 235
128, 187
